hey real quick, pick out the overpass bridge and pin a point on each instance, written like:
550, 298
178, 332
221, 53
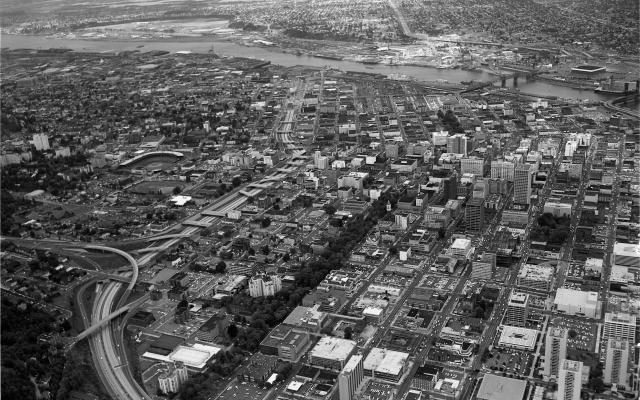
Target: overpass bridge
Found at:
98, 325
168, 236
199, 224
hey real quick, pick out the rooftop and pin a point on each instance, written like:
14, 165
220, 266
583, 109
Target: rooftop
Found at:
496, 387
333, 348
385, 361
518, 337
536, 272
575, 297
626, 249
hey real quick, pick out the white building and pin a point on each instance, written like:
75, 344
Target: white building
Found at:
555, 350
557, 209
264, 285
617, 362
517, 309
350, 377
170, 380
385, 364
577, 302
518, 338
620, 326
461, 247
40, 141
570, 380
472, 165
502, 170
627, 255
331, 352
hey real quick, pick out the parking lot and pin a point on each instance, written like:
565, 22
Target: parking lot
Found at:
243, 391
510, 362
582, 334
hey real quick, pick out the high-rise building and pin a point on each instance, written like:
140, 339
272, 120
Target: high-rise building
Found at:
40, 141
620, 326
484, 267
502, 170
350, 377
522, 184
472, 165
617, 362
457, 144
170, 380
264, 285
517, 309
555, 350
451, 187
569, 380
474, 215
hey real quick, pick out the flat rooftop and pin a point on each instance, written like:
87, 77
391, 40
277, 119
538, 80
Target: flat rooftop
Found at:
574, 297
514, 336
385, 361
496, 387
333, 348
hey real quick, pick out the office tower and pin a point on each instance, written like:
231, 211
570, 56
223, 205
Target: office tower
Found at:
40, 141
620, 326
457, 144
569, 380
502, 170
472, 165
451, 187
474, 215
522, 184
555, 350
517, 309
350, 377
617, 362
484, 267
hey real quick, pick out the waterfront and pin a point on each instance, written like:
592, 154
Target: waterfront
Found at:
231, 49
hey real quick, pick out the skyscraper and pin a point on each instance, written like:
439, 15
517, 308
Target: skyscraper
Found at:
451, 187
620, 326
517, 309
555, 350
457, 144
522, 184
350, 377
569, 380
617, 362
474, 215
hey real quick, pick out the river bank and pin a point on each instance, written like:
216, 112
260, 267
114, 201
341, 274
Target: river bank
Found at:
275, 56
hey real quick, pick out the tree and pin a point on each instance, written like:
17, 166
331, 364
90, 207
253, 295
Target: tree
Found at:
329, 209
232, 331
236, 181
348, 332
266, 250
177, 190
393, 250
441, 233
572, 334
221, 267
265, 222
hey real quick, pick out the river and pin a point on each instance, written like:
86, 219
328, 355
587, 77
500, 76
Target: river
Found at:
231, 49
